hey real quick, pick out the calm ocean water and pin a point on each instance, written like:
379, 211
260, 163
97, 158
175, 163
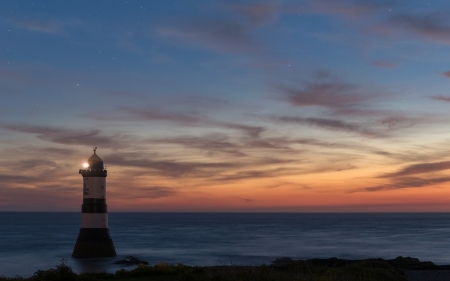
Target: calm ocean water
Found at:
32, 241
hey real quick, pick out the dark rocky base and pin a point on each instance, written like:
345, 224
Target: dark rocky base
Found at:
403, 263
130, 260
369, 270
94, 243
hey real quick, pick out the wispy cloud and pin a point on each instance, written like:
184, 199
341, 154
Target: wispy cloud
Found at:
396, 122
154, 114
430, 25
258, 13
214, 34
45, 197
244, 147
199, 102
325, 90
446, 74
210, 143
242, 175
13, 75
14, 179
441, 98
419, 169
42, 26
91, 137
251, 131
169, 168
434, 26
401, 183
34, 163
145, 192
243, 199
346, 8
230, 28
327, 124
180, 118
384, 64
316, 142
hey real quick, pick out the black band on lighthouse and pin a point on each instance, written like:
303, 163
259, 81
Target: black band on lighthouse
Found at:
90, 208
94, 201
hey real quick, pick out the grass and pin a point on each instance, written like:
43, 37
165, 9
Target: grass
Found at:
367, 270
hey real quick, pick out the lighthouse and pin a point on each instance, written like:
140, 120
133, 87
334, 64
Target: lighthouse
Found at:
94, 239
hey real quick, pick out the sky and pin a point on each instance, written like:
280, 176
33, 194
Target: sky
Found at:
227, 106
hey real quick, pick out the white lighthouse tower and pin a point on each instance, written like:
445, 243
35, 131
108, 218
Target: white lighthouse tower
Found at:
94, 239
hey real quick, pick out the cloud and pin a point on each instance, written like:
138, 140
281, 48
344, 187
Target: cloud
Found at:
218, 35
18, 179
391, 120
324, 91
229, 29
53, 151
343, 98
440, 98
169, 168
183, 107
43, 197
91, 137
228, 169
236, 147
34, 163
129, 113
345, 8
180, 118
270, 143
251, 131
419, 169
315, 142
256, 174
327, 124
123, 94
37, 151
446, 74
144, 192
209, 143
384, 64
41, 26
432, 26
8, 74
243, 199
398, 122
199, 102
401, 183
258, 13
365, 16
154, 114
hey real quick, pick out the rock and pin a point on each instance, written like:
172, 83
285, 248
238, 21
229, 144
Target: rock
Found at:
332, 262
408, 263
282, 261
130, 261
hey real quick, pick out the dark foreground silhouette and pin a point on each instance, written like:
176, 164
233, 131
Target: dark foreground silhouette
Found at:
283, 269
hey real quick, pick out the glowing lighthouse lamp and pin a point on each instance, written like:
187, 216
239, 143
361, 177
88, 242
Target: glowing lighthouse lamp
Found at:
94, 239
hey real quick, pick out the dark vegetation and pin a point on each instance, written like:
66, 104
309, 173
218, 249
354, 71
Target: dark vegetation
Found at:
284, 269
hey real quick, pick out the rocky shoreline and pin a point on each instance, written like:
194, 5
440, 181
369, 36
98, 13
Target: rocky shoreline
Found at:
403, 263
412, 269
281, 269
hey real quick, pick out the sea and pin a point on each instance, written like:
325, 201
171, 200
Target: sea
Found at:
40, 241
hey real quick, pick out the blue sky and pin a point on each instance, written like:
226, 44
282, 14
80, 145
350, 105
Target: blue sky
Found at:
247, 105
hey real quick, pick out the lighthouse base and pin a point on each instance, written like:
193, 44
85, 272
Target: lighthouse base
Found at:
94, 243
